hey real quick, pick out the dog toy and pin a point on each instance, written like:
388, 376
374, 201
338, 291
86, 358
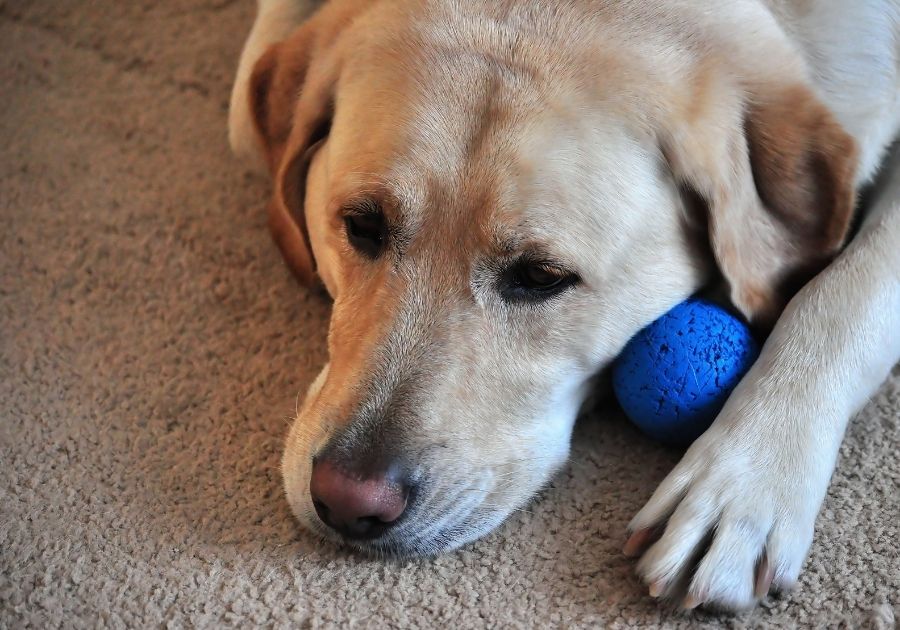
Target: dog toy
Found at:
675, 375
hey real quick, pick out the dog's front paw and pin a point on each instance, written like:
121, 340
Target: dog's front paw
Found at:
735, 516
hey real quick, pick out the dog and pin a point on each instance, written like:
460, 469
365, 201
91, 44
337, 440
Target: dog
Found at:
498, 195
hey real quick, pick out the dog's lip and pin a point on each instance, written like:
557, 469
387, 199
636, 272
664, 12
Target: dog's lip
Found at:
429, 529
436, 538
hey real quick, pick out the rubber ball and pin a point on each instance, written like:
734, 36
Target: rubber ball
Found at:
675, 375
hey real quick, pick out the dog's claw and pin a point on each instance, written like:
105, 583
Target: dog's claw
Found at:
764, 576
691, 602
637, 542
657, 588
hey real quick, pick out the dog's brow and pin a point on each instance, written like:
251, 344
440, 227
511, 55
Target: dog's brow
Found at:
392, 196
509, 243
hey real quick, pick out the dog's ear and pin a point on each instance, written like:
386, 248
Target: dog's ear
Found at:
777, 174
291, 106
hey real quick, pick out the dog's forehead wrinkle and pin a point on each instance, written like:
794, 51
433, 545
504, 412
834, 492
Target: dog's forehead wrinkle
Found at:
511, 36
477, 94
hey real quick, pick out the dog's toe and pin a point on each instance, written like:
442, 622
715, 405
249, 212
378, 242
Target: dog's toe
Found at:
726, 574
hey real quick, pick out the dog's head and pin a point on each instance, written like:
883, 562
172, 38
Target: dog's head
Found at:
496, 206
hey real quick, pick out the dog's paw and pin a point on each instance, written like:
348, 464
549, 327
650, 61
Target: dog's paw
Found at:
736, 515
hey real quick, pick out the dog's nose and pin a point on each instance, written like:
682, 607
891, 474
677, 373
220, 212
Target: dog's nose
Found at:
356, 505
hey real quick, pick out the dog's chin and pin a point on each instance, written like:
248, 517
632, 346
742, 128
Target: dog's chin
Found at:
395, 547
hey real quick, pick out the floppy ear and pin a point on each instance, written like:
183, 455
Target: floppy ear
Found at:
777, 174
291, 113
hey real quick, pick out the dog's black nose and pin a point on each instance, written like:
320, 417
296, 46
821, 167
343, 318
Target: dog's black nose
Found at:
354, 504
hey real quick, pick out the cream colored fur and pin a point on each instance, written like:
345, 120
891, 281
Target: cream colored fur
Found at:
574, 127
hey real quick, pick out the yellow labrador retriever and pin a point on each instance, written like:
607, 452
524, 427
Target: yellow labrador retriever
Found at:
499, 194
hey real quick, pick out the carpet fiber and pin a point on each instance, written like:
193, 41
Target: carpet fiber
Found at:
152, 346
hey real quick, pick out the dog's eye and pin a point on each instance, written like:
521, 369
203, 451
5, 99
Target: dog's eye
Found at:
537, 280
367, 232
540, 276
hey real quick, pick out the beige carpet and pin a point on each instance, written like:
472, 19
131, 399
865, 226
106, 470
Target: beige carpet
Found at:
151, 348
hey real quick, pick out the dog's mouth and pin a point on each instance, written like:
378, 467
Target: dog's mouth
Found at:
437, 519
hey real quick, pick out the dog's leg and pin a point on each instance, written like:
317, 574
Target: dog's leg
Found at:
751, 486
275, 19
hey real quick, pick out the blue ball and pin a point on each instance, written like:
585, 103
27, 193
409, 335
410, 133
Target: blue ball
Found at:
674, 376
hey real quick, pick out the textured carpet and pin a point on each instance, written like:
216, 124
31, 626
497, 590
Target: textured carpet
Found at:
152, 345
